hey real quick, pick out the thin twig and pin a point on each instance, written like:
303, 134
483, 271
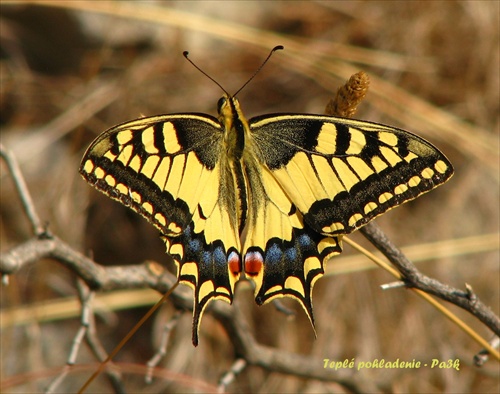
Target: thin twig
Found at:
162, 348
22, 191
427, 297
415, 279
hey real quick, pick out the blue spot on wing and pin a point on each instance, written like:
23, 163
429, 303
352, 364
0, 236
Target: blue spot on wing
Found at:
212, 263
274, 255
285, 259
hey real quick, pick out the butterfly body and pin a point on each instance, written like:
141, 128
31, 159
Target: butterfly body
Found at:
269, 198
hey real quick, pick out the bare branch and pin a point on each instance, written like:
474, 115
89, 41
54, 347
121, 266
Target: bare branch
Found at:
162, 348
482, 356
22, 190
415, 279
148, 274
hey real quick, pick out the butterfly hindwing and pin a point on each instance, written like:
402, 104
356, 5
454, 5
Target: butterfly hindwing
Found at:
168, 169
283, 256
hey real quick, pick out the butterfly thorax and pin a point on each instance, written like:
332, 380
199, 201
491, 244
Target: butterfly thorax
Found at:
243, 163
235, 130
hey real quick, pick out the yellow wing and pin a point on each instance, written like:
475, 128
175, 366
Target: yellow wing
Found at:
315, 178
342, 173
283, 255
169, 170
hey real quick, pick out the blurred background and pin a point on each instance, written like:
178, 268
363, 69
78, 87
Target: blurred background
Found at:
70, 70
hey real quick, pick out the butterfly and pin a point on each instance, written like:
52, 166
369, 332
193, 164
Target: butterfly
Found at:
268, 198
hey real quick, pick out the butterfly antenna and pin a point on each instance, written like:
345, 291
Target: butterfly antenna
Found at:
276, 48
186, 55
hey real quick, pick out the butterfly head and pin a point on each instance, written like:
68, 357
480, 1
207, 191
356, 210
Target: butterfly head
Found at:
228, 107
224, 107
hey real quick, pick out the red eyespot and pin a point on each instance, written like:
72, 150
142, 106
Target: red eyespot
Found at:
234, 262
253, 263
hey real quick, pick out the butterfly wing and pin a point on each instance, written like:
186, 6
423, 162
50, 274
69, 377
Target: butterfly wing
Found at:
322, 177
342, 173
283, 255
169, 169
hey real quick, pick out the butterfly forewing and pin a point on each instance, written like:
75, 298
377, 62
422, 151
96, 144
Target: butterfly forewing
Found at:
342, 173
